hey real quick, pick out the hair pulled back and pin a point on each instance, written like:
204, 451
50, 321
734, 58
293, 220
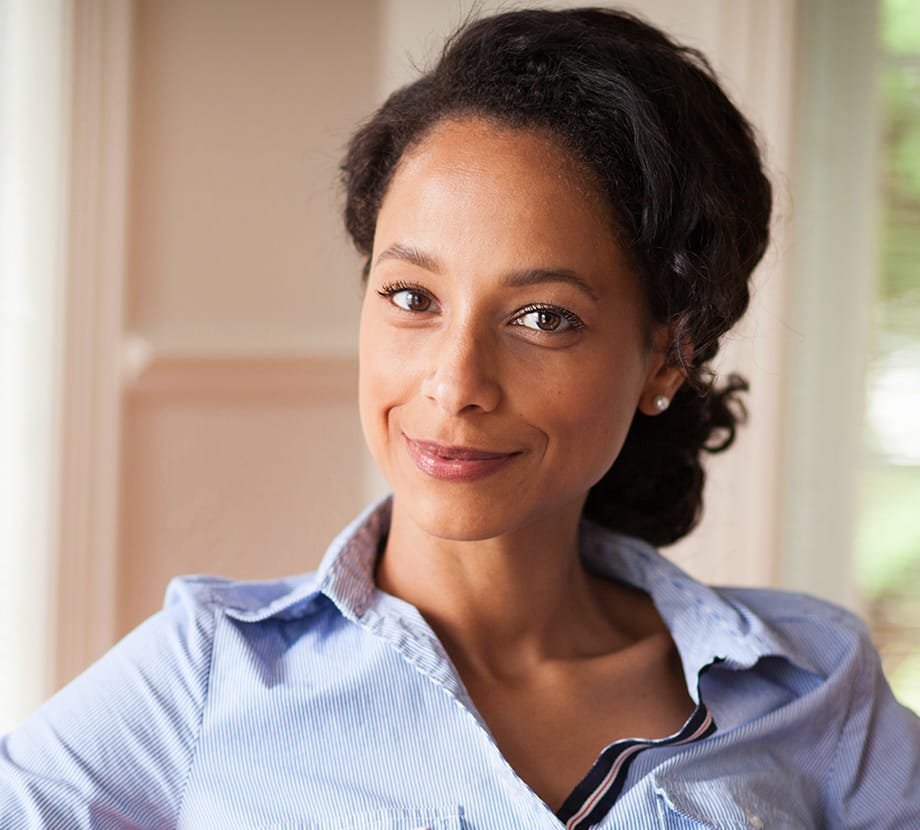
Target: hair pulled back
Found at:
683, 174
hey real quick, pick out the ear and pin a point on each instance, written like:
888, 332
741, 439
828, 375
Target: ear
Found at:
664, 377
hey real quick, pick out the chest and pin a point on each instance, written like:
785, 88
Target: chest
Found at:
373, 742
553, 727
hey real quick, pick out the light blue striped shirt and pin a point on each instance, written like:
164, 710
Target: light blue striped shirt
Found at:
322, 702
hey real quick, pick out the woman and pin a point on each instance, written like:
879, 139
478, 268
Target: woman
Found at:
559, 222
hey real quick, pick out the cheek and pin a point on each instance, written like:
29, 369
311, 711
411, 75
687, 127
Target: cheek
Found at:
591, 415
382, 382
372, 385
596, 426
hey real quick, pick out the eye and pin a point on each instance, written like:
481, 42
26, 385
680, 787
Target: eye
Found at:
407, 297
549, 319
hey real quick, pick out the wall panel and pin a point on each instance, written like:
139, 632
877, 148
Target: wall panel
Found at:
245, 467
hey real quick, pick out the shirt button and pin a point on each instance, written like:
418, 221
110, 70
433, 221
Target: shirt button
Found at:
755, 822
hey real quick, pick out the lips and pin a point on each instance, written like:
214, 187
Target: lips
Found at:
449, 463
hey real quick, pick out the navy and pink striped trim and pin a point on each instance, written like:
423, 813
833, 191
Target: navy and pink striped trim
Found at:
598, 791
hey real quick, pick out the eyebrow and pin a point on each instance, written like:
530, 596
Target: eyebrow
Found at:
515, 279
539, 276
410, 254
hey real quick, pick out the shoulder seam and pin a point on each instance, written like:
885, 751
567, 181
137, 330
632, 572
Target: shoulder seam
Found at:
214, 608
806, 602
832, 767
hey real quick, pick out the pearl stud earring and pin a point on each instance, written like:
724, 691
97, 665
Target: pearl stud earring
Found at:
661, 403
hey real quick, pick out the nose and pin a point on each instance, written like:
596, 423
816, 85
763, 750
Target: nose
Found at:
462, 373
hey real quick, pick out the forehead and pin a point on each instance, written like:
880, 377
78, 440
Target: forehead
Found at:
478, 171
476, 143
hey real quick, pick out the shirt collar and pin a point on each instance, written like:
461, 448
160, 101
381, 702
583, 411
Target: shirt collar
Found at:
345, 575
706, 626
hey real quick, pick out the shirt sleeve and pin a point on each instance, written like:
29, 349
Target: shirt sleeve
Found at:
114, 748
875, 778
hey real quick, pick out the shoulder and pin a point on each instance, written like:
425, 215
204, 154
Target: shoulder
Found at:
202, 595
793, 607
871, 742
873, 779
804, 614
820, 634
120, 739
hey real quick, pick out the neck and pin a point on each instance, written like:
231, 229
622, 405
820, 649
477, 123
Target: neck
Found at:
504, 604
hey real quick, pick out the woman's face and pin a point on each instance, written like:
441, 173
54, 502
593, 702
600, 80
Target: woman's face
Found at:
504, 342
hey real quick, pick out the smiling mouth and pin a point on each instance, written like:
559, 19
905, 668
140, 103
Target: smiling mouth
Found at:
456, 463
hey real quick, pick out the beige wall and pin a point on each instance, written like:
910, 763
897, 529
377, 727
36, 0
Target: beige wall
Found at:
241, 448
233, 405
240, 112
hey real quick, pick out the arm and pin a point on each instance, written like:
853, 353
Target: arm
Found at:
875, 778
114, 748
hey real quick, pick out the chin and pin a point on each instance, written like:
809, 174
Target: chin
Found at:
472, 521
478, 517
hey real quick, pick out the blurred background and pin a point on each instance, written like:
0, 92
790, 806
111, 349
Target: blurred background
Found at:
179, 304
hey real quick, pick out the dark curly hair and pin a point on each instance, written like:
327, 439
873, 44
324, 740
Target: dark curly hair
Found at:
683, 173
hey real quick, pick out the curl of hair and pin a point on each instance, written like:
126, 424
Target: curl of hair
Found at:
682, 171
659, 466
